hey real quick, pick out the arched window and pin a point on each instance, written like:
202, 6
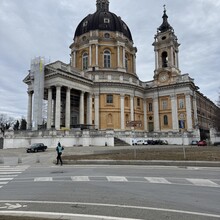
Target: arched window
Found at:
165, 120
164, 59
85, 61
107, 59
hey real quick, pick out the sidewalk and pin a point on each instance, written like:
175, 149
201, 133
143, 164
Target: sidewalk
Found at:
20, 157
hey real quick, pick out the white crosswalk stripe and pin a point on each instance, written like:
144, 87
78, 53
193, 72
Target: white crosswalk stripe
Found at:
8, 173
43, 179
203, 182
116, 179
80, 178
157, 180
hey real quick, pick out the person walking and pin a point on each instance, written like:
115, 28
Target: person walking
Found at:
59, 150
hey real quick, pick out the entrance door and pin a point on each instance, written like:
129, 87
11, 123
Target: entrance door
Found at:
151, 126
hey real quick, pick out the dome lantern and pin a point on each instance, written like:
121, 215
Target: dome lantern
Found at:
102, 5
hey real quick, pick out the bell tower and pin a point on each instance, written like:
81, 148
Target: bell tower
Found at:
166, 49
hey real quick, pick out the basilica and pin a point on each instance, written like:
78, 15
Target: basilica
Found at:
100, 89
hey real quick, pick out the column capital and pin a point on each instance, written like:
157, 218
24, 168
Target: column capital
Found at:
58, 85
173, 96
188, 93
30, 92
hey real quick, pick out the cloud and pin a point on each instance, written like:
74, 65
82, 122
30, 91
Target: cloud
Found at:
32, 28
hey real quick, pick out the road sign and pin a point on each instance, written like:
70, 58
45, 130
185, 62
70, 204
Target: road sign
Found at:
134, 124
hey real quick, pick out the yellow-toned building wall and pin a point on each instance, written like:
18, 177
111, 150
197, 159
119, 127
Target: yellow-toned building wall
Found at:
103, 44
139, 112
165, 110
110, 113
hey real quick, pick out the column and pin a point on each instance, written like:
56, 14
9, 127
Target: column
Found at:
145, 115
122, 112
156, 114
177, 60
67, 113
96, 59
156, 60
195, 111
90, 55
134, 63
81, 108
97, 111
74, 58
123, 58
189, 112
58, 107
49, 109
89, 109
118, 56
175, 122
171, 56
29, 113
132, 107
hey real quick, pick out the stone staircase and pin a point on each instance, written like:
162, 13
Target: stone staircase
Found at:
119, 142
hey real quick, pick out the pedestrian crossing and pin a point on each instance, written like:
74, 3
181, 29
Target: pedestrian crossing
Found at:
8, 173
130, 179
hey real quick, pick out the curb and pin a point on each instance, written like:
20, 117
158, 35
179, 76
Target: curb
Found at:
144, 162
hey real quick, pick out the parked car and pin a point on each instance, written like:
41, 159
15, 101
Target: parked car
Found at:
202, 143
194, 142
217, 143
36, 147
134, 142
140, 142
164, 142
145, 142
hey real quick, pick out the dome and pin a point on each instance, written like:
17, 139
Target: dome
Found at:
103, 20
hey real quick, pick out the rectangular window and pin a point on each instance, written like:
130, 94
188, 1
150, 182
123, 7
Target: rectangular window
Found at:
106, 20
164, 104
109, 99
150, 107
107, 60
85, 23
181, 103
138, 102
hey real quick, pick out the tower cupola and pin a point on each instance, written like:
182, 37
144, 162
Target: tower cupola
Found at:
165, 26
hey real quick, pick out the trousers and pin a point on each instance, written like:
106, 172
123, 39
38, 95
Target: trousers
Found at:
59, 158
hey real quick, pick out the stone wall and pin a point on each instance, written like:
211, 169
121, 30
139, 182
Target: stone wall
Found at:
69, 138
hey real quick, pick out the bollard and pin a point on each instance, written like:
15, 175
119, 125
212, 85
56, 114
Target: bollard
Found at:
19, 160
1, 160
38, 159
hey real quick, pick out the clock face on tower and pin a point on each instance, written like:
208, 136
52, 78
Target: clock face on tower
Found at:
163, 77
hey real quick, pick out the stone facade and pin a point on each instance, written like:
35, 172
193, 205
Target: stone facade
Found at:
100, 89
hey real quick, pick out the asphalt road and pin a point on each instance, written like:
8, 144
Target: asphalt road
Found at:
110, 192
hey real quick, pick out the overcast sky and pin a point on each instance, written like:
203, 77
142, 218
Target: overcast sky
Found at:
30, 28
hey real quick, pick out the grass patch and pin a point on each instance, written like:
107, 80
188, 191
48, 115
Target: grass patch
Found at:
192, 153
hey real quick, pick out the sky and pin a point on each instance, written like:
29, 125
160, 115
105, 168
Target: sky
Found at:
30, 28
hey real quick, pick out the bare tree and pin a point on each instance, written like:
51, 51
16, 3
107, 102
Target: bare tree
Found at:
6, 122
